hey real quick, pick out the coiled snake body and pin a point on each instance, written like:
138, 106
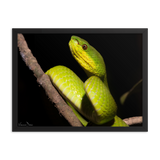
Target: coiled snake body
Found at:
92, 98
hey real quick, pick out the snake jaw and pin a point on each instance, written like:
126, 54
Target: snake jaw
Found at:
81, 56
89, 59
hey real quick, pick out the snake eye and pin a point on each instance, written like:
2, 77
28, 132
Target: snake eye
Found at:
84, 46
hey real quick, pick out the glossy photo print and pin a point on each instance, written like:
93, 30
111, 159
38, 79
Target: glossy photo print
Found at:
80, 80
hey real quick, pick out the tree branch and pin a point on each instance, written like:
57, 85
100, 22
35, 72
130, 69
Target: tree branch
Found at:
133, 120
45, 82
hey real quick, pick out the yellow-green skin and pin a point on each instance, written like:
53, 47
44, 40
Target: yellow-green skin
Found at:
92, 98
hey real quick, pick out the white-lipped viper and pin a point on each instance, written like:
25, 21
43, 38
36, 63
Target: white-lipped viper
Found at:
92, 99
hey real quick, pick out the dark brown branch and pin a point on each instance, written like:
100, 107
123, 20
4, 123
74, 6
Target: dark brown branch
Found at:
133, 120
45, 82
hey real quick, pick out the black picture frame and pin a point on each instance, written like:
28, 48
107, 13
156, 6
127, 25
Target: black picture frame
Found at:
144, 31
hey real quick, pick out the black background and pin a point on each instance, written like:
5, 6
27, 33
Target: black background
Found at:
122, 54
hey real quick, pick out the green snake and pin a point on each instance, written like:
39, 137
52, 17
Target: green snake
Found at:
92, 99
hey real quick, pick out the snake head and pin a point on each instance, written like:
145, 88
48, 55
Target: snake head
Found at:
88, 57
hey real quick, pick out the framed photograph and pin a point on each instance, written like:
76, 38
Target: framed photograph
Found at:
125, 51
